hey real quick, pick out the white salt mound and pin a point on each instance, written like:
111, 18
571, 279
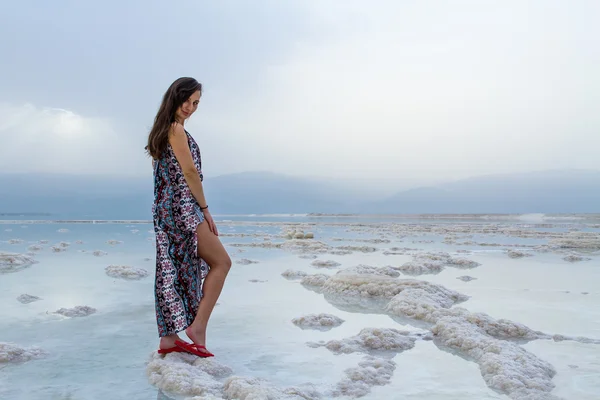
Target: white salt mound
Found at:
113, 242
12, 262
415, 268
11, 353
369, 373
325, 264
27, 298
243, 388
245, 261
372, 339
15, 259
504, 365
99, 253
433, 263
178, 373
518, 254
466, 278
463, 263
187, 375
575, 258
125, 272
292, 274
318, 321
367, 269
77, 311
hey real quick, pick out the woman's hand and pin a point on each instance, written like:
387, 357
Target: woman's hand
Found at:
210, 221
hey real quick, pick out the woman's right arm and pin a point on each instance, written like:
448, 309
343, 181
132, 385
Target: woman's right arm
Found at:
179, 142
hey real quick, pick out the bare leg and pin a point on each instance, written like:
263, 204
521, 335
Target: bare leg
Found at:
212, 251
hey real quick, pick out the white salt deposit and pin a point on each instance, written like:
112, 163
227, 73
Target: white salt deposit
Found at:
325, 264
113, 242
245, 261
243, 388
370, 372
293, 274
15, 241
27, 298
466, 278
125, 272
205, 378
416, 268
434, 263
298, 234
575, 258
178, 373
371, 339
99, 253
318, 321
77, 311
462, 263
505, 366
12, 262
12, 353
34, 247
518, 254
367, 269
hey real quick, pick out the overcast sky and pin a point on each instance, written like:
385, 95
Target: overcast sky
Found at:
381, 90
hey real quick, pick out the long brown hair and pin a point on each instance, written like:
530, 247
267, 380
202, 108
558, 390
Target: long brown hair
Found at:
174, 97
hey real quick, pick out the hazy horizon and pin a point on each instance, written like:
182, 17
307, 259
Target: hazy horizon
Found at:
410, 93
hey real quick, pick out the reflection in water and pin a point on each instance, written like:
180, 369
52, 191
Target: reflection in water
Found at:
161, 396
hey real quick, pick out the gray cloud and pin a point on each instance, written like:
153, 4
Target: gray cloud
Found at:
389, 90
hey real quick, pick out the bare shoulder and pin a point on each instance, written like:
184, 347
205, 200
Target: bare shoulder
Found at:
176, 129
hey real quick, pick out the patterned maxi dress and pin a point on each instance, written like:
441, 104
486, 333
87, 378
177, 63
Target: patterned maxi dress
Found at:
179, 270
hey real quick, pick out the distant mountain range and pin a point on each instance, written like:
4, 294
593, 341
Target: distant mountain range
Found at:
62, 196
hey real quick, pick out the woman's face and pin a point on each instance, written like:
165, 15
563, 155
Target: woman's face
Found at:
188, 107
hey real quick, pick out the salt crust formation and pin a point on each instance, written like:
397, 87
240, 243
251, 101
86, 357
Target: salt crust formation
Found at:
12, 353
321, 321
325, 264
77, 311
245, 261
205, 378
492, 344
306, 247
433, 263
125, 272
13, 262
293, 274
27, 298
369, 270
518, 254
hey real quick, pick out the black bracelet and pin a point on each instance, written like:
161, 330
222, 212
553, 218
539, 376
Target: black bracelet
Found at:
204, 208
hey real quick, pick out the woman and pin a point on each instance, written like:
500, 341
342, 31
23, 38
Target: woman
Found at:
188, 249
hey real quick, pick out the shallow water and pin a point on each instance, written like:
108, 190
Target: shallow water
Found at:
104, 355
